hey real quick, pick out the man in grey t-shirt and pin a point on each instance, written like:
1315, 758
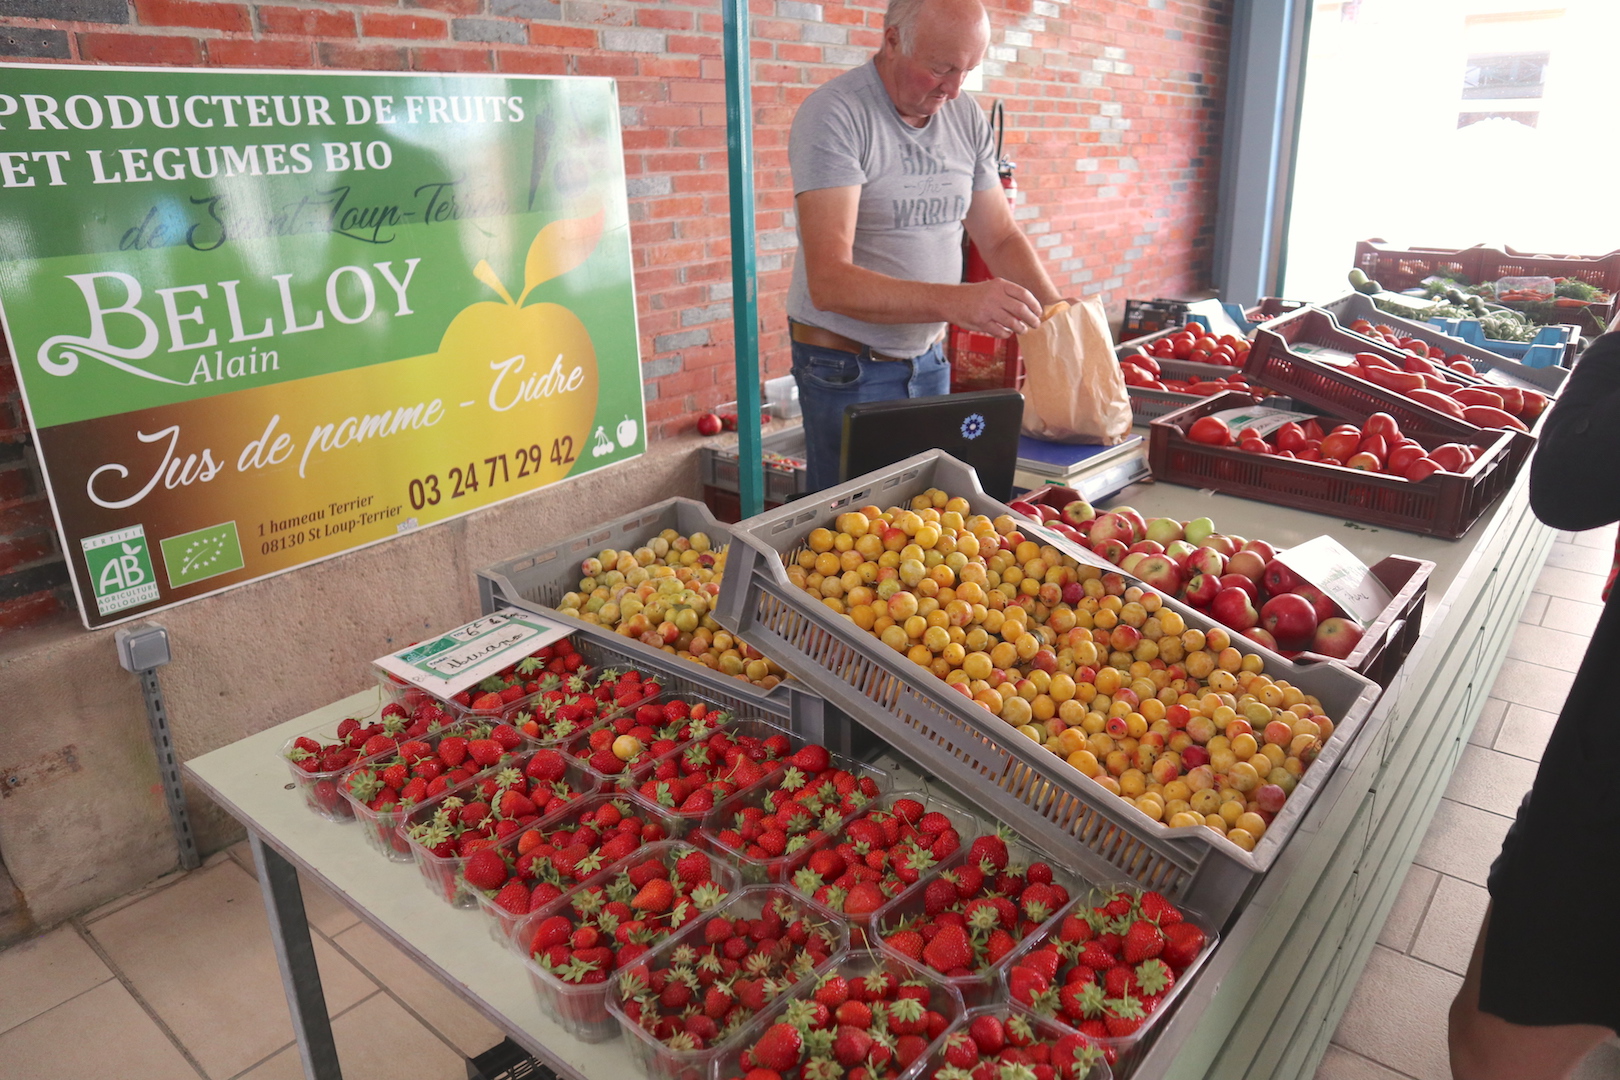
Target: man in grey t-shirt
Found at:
890, 164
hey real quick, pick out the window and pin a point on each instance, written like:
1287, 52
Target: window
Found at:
1505, 75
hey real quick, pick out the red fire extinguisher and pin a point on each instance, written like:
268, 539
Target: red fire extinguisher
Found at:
974, 267
979, 361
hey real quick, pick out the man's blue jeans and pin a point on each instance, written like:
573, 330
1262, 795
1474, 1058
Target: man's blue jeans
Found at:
830, 379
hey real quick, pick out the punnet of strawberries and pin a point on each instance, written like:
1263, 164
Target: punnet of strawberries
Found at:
998, 1043
1106, 969
566, 705
707, 985
420, 769
561, 852
583, 937
488, 808
796, 806
879, 854
868, 1026
970, 918
357, 740
691, 782
623, 747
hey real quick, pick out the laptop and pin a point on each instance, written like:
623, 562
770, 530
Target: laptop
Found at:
980, 428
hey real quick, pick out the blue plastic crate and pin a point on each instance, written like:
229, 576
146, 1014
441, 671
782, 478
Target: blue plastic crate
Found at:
1549, 348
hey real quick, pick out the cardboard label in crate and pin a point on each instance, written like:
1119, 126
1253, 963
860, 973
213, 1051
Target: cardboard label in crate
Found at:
453, 661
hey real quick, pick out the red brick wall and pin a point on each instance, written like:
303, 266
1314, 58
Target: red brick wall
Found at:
1114, 109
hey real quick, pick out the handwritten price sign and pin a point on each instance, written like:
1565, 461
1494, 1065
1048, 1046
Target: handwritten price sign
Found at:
263, 319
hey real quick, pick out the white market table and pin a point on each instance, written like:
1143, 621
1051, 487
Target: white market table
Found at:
1269, 998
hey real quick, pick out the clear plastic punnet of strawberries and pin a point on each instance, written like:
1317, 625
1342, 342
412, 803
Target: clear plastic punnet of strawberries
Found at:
1112, 966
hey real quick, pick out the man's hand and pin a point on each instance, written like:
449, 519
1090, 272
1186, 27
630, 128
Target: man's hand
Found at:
996, 307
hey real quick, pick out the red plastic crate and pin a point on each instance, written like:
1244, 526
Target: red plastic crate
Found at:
1277, 362
983, 362
1445, 505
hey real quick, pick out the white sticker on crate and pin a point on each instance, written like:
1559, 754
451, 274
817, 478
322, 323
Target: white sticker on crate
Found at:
463, 657
1327, 564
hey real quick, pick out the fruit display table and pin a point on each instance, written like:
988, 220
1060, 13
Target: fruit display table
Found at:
1271, 993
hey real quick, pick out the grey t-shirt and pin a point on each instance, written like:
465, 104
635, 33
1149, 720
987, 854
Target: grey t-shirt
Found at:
916, 184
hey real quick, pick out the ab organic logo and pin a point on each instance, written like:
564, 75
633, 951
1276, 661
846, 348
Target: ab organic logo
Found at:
120, 569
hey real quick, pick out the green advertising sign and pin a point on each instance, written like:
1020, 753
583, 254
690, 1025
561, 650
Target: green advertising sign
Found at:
262, 318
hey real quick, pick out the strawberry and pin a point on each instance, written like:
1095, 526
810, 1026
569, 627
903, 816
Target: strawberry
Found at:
778, 1048
1183, 943
949, 950
694, 869
657, 896
991, 850
907, 943
988, 1034
486, 870
1123, 1017
1143, 941
851, 1046
1156, 908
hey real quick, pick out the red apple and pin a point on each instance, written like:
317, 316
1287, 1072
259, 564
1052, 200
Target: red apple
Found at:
1221, 543
1113, 526
1201, 589
1262, 549
1291, 620
1234, 608
1160, 573
1337, 638
1019, 506
1048, 514
1205, 561
1112, 550
708, 424
1078, 513
1147, 547
1261, 636
1238, 581
1278, 578
1248, 563
1132, 560
1321, 603
1138, 522
1179, 550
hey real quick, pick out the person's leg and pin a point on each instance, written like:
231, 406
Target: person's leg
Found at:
930, 373
828, 380
1486, 1047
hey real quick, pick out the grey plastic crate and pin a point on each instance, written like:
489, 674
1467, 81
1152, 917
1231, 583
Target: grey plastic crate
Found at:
538, 580
1008, 776
1491, 367
718, 467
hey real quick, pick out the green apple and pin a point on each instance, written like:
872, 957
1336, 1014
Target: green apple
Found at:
1198, 530
1164, 530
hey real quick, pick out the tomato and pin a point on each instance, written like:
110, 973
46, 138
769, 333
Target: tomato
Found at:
1419, 365
1474, 395
1512, 398
1381, 423
1289, 454
1200, 356
1181, 346
1363, 461
1211, 431
1313, 430
1452, 457
1163, 349
1376, 445
1403, 455
1310, 453
1534, 402
1368, 359
1290, 437
1248, 433
1341, 444
1436, 400
1486, 416
1402, 382
1255, 445
1460, 366
1421, 469
1136, 376
1223, 355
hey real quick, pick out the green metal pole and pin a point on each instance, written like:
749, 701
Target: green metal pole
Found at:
744, 290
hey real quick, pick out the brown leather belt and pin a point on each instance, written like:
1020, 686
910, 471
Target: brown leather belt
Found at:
805, 334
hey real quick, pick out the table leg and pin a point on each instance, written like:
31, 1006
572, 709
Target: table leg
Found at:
295, 955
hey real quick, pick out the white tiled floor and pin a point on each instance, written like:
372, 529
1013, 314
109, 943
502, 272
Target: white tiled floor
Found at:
178, 980
181, 983
1395, 1027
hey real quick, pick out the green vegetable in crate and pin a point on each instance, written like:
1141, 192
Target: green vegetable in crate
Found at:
1360, 282
1576, 289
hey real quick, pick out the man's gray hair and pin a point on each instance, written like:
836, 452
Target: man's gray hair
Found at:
902, 15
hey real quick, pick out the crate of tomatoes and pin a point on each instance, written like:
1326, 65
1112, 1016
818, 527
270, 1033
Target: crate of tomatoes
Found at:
1367, 467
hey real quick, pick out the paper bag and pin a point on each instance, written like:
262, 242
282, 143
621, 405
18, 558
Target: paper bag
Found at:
1074, 390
